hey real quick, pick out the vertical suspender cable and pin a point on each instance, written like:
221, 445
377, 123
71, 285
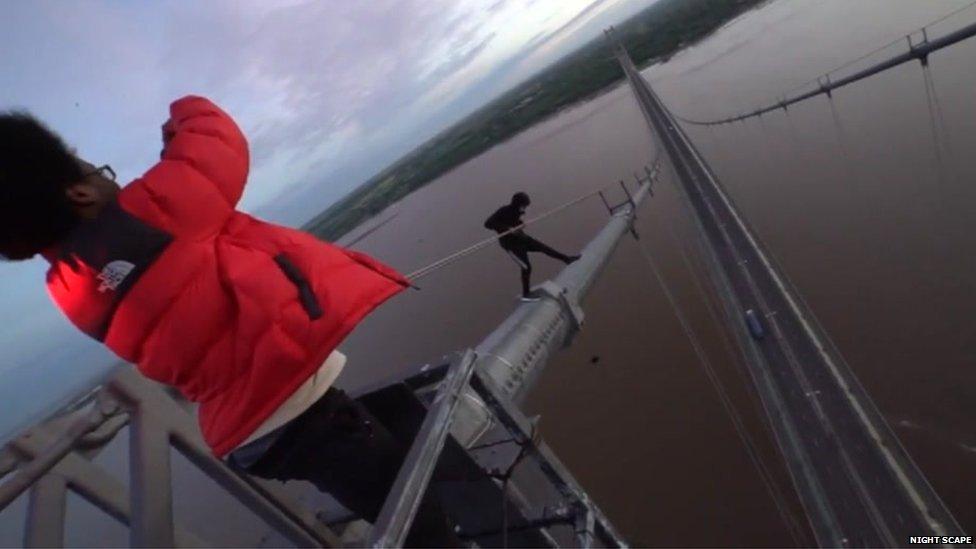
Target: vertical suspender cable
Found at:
936, 123
714, 315
750, 446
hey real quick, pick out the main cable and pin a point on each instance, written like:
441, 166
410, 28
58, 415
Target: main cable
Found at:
786, 100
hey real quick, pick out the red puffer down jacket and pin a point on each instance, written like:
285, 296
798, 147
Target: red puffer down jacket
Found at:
234, 312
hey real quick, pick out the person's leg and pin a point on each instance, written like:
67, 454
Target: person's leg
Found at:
534, 245
338, 446
526, 275
521, 257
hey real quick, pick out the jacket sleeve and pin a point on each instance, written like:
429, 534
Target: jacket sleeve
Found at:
201, 135
492, 221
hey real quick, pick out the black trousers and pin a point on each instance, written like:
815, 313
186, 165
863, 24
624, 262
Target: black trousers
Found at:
338, 446
518, 246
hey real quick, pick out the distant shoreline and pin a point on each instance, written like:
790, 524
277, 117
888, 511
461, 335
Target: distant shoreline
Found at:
655, 34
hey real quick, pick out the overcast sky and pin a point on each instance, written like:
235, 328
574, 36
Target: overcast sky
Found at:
328, 93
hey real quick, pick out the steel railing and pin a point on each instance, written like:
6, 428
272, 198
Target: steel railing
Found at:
55, 457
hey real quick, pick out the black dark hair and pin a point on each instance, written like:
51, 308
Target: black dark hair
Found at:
521, 199
35, 169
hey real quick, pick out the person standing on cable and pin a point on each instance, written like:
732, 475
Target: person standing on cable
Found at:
517, 243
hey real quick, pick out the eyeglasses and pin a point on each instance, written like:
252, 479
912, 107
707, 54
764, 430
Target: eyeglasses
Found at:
105, 171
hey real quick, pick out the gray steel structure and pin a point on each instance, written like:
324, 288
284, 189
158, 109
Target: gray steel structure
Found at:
56, 456
857, 484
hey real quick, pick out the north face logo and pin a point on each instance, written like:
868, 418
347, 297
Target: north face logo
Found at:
113, 274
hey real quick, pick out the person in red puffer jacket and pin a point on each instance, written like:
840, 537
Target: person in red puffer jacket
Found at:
240, 315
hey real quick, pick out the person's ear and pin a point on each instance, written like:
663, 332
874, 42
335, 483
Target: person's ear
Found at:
82, 194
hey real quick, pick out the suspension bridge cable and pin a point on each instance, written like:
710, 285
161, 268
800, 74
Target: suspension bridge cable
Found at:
752, 450
937, 104
936, 133
948, 15
842, 139
940, 130
477, 246
919, 51
712, 312
772, 486
878, 49
464, 252
776, 493
858, 193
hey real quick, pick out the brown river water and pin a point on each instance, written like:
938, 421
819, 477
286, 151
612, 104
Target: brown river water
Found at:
869, 219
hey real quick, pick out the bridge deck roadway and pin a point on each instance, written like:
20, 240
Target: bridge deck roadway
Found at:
856, 482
